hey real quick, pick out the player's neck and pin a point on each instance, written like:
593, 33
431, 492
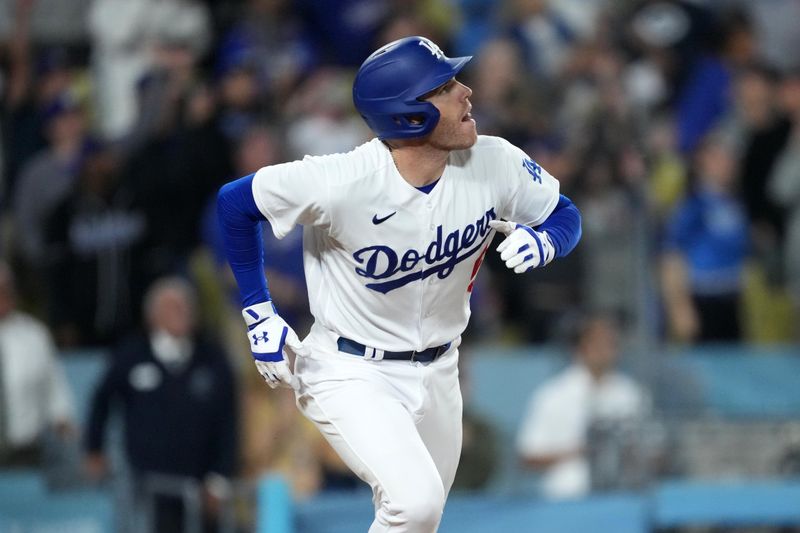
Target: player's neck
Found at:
419, 165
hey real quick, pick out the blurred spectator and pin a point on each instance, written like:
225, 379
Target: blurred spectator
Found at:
506, 102
343, 32
554, 434
609, 238
544, 34
277, 438
322, 119
776, 28
705, 250
706, 95
764, 130
667, 177
125, 32
664, 37
34, 394
180, 155
45, 181
480, 446
177, 395
783, 188
241, 106
120, 57
266, 37
93, 268
35, 81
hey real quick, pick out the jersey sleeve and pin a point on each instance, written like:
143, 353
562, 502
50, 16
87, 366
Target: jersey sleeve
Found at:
293, 193
531, 193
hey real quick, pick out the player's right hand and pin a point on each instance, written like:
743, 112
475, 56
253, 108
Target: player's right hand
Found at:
270, 336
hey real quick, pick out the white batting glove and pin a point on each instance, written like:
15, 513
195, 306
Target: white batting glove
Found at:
270, 336
524, 248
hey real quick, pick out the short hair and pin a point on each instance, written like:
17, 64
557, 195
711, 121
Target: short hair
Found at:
7, 274
178, 283
574, 326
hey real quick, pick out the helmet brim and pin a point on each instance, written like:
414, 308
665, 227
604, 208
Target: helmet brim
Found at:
455, 64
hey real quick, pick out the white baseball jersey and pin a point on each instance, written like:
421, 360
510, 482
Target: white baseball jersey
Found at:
386, 264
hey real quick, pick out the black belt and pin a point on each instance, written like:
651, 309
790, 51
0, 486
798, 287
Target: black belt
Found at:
423, 356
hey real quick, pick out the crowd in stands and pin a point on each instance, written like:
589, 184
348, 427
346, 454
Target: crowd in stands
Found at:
673, 125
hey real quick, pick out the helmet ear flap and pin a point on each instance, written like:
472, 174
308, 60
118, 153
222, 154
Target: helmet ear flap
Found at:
423, 121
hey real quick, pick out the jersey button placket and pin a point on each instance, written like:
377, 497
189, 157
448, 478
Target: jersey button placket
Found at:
427, 283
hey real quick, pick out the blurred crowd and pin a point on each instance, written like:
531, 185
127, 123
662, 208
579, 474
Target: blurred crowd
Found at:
674, 125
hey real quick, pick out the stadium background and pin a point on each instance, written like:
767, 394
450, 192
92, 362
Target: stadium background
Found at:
629, 103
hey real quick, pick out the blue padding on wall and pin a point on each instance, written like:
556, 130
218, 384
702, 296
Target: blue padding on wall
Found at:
274, 506
747, 382
335, 513
83, 369
26, 505
481, 514
684, 503
500, 382
19, 486
476, 514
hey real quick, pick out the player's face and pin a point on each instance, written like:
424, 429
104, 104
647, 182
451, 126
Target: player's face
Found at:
456, 128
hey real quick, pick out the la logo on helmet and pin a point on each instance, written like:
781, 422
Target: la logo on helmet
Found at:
432, 48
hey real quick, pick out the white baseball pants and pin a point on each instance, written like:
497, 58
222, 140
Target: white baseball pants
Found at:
396, 424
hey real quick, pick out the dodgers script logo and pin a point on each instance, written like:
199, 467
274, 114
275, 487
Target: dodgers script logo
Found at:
441, 256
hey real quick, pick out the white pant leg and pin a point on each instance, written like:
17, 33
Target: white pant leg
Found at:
368, 412
441, 423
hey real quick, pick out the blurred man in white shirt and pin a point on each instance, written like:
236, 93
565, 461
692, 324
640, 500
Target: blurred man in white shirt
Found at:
34, 394
553, 434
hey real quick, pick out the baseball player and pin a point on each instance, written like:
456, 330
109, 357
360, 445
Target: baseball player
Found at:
394, 234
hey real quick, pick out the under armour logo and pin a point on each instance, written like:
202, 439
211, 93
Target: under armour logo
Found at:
533, 169
256, 338
432, 48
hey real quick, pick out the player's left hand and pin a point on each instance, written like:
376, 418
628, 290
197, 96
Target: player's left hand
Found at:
270, 338
524, 248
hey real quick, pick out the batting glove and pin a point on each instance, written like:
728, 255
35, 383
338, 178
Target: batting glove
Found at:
270, 336
524, 248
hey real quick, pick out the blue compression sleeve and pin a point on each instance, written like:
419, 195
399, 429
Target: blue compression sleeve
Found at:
240, 222
563, 226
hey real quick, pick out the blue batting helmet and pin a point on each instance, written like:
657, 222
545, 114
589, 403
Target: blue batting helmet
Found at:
390, 82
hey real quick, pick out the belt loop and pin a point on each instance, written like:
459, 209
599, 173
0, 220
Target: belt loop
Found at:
373, 353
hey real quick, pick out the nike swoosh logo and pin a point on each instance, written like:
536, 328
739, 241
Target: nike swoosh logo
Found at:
376, 220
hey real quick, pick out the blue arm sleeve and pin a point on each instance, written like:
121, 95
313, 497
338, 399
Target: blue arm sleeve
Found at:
563, 226
240, 222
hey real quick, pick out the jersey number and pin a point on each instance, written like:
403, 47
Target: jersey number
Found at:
476, 267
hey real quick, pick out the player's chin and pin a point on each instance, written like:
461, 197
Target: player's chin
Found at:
469, 133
